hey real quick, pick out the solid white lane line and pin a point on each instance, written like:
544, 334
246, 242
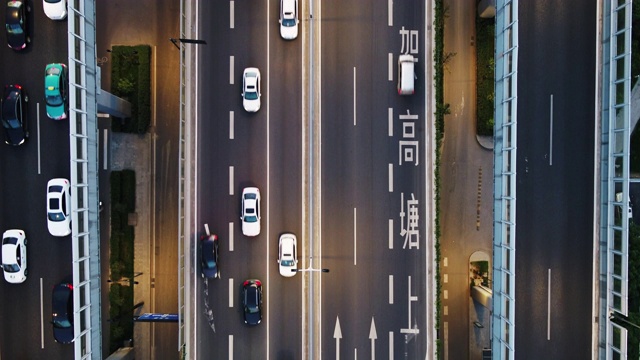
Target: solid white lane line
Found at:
390, 233
231, 180
38, 129
390, 289
390, 10
549, 305
230, 347
231, 63
354, 96
390, 121
390, 177
231, 236
390, 345
105, 149
231, 292
390, 66
231, 125
231, 15
354, 236
41, 317
551, 131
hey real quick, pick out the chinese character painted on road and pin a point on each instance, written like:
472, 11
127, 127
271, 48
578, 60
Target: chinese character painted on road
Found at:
410, 231
410, 40
408, 148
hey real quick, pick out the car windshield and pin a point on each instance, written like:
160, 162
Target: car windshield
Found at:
56, 216
10, 241
251, 94
55, 189
11, 123
251, 218
288, 20
11, 268
54, 100
52, 1
286, 262
15, 29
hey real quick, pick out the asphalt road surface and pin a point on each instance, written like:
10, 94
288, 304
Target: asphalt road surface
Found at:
555, 190
265, 150
373, 300
25, 308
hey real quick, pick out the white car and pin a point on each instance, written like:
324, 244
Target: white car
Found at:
58, 204
250, 211
14, 256
55, 9
288, 19
288, 254
251, 89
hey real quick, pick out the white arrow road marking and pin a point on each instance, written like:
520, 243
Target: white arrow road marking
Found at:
373, 335
337, 334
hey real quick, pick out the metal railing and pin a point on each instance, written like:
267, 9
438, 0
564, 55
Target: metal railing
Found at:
614, 177
85, 232
504, 176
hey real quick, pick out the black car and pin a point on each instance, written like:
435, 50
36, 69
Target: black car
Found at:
14, 114
16, 25
252, 301
62, 318
209, 257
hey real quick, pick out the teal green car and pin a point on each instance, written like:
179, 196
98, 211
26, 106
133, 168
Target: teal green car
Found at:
55, 91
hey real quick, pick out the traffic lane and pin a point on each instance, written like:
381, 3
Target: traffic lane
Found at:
247, 153
285, 194
48, 257
24, 195
564, 244
216, 206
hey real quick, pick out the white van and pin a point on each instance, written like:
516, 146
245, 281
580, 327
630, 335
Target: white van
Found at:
406, 75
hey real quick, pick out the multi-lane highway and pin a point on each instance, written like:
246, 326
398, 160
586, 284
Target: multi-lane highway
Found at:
371, 182
25, 309
237, 149
555, 190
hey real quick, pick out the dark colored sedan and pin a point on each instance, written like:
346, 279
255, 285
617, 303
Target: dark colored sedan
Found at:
252, 301
209, 257
14, 114
16, 25
62, 318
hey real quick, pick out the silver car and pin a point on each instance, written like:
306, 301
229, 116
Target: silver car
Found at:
251, 89
250, 211
288, 254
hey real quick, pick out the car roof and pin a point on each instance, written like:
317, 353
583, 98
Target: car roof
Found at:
288, 6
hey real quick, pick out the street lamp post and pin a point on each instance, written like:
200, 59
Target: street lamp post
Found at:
310, 270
